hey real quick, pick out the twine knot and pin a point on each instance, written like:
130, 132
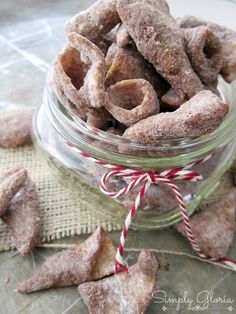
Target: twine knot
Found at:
151, 177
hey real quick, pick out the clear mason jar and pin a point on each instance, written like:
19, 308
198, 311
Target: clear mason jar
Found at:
54, 124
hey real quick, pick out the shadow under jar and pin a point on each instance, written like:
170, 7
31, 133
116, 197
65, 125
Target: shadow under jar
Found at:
54, 124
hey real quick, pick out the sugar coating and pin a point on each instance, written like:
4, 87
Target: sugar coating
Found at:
118, 40
23, 218
204, 50
123, 37
93, 89
127, 63
174, 101
200, 115
11, 182
69, 82
228, 41
96, 21
159, 39
132, 101
79, 75
68, 74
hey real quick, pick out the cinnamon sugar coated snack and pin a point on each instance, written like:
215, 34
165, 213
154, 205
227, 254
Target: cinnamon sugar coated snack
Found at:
90, 260
79, 71
159, 39
118, 40
127, 63
11, 182
96, 21
69, 73
200, 115
205, 53
93, 89
15, 129
22, 216
79, 75
132, 101
124, 293
227, 38
214, 226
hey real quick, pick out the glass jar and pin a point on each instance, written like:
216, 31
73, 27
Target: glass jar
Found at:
54, 124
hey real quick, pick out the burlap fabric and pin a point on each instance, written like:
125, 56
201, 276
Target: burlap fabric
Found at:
61, 214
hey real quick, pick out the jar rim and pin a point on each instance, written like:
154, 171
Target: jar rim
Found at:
91, 134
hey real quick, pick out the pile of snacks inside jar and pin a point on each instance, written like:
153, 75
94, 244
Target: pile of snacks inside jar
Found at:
131, 69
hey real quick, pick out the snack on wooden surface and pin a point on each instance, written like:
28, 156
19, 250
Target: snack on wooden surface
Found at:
214, 227
15, 129
22, 216
96, 21
228, 41
132, 101
159, 39
11, 182
200, 115
204, 50
90, 260
124, 293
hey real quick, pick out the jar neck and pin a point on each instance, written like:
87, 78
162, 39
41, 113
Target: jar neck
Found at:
116, 150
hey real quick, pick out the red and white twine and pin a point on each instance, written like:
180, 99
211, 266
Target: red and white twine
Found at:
146, 179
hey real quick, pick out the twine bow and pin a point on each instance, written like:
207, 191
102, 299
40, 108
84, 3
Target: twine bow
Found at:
145, 179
